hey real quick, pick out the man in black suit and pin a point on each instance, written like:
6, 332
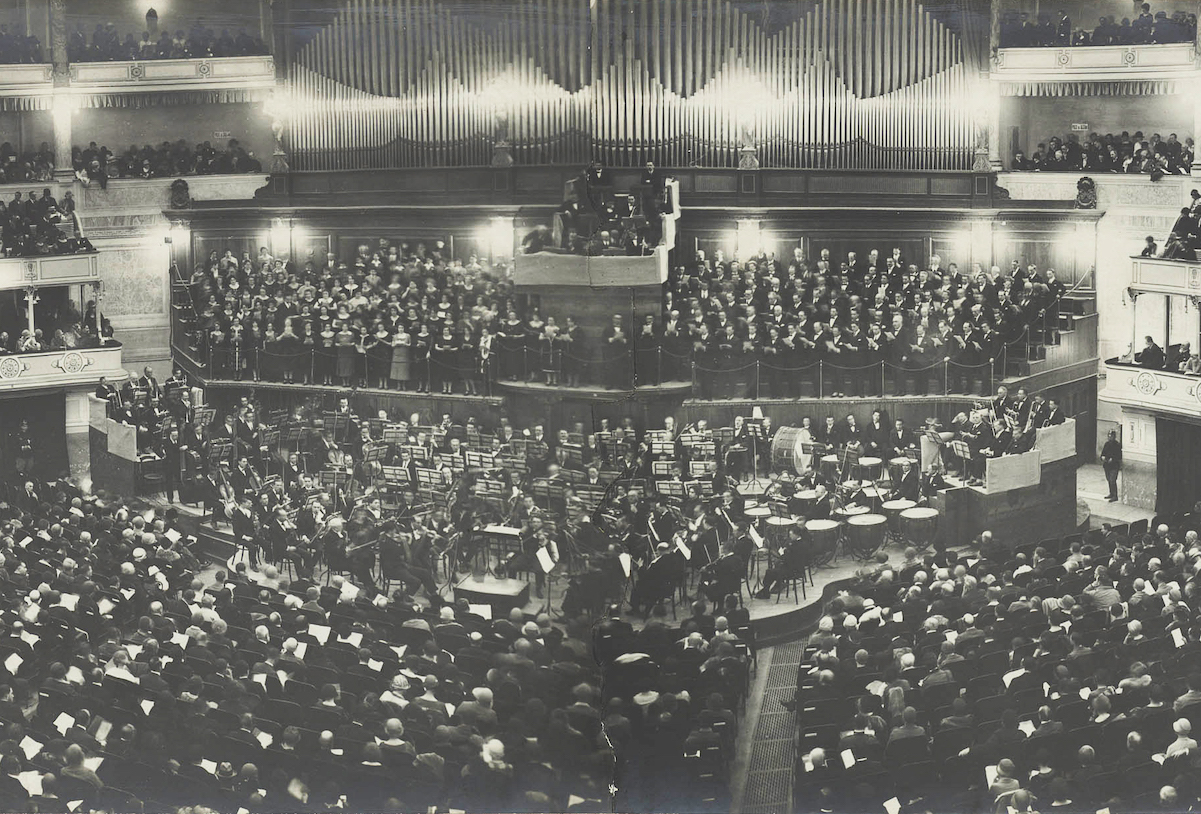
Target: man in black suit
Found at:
172, 464
150, 384
244, 530
875, 437
1152, 356
909, 487
900, 439
107, 391
1111, 462
1001, 403
1054, 415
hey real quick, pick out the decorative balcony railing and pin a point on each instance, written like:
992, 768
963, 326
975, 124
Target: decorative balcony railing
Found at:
1097, 62
57, 269
34, 84
1157, 390
56, 368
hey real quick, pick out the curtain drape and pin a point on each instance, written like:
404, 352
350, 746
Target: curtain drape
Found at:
1178, 465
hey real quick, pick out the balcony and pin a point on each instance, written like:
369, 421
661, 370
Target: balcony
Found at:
217, 73
1096, 62
1113, 189
554, 269
1156, 390
1180, 277
152, 75
64, 269
27, 80
57, 368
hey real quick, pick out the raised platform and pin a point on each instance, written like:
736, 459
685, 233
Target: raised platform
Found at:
500, 595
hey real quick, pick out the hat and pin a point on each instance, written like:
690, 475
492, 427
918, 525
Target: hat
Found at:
225, 770
646, 698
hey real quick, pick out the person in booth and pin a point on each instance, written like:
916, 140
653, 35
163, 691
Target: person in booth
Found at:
1152, 356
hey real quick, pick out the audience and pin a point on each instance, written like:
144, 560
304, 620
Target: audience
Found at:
1074, 693
1022, 30
198, 41
1185, 237
19, 48
168, 160
29, 226
1111, 153
135, 677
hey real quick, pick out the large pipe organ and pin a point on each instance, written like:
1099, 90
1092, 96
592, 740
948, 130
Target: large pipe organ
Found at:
832, 84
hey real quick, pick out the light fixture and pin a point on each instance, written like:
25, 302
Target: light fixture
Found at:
749, 240
281, 236
495, 238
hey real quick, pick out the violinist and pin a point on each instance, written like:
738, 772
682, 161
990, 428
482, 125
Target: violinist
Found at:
703, 541
279, 535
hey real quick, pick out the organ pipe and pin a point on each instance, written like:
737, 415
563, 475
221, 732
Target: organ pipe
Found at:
877, 84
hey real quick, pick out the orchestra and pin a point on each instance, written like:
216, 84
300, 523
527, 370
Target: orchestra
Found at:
380, 498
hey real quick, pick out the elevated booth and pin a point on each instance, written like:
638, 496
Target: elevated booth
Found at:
52, 386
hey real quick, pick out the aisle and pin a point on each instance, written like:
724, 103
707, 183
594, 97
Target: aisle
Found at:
762, 772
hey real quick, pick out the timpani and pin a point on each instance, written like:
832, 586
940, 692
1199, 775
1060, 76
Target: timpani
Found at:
823, 539
870, 468
865, 534
829, 467
919, 525
807, 498
892, 510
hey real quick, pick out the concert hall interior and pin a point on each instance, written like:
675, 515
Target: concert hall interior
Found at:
744, 406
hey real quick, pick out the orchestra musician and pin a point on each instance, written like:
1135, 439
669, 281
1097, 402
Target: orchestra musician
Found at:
791, 560
658, 578
908, 488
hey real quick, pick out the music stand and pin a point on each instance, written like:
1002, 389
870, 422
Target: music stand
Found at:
293, 437
757, 431
663, 449
672, 488
575, 455
375, 452
204, 416
662, 469
396, 434
961, 450
479, 460
331, 421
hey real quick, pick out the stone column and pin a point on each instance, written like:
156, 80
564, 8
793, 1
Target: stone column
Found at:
61, 103
994, 128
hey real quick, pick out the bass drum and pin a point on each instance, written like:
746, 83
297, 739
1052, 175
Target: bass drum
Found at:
786, 452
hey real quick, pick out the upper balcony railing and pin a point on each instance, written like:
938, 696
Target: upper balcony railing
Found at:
1097, 62
141, 76
49, 270
1179, 277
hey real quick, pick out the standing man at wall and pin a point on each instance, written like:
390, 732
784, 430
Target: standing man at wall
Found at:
1111, 461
